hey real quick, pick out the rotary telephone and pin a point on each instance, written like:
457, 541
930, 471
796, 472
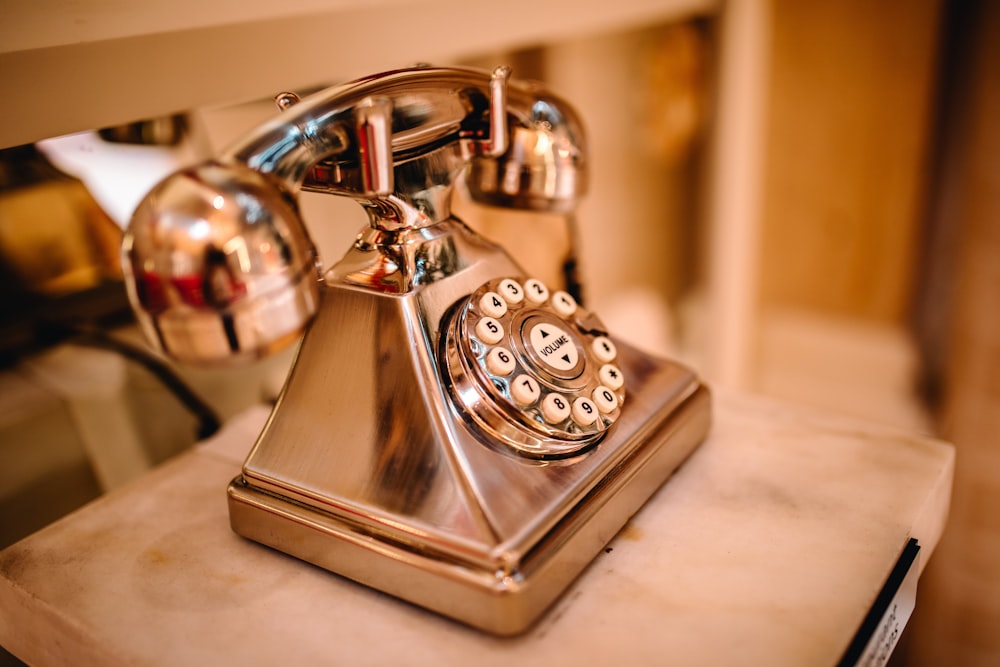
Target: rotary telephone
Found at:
453, 431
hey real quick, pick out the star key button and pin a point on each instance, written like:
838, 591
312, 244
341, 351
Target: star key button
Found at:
611, 376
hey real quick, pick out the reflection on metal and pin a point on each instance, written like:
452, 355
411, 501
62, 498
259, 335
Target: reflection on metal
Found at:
218, 265
369, 466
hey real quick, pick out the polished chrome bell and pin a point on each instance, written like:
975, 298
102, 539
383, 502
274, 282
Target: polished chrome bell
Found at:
219, 266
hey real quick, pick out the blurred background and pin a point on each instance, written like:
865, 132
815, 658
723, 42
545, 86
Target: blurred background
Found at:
801, 199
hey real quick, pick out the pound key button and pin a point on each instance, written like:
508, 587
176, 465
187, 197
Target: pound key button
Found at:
604, 349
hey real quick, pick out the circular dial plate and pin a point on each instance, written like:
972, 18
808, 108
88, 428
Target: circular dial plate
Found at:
534, 368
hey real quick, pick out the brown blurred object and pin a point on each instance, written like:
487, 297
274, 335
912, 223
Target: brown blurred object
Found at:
54, 238
957, 619
59, 267
162, 131
672, 108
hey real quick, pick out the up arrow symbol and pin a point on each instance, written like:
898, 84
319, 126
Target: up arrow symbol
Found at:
565, 358
545, 333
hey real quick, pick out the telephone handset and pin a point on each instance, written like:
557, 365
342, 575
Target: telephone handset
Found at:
453, 431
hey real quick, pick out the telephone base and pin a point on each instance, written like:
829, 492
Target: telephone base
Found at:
505, 589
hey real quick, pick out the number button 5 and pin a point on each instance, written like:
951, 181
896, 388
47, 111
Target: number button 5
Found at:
489, 330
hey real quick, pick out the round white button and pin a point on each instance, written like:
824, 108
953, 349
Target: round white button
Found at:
605, 399
493, 305
604, 348
554, 346
489, 331
555, 408
500, 361
584, 411
525, 390
536, 290
611, 376
564, 304
511, 291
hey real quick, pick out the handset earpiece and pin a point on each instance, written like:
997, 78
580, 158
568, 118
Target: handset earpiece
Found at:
543, 167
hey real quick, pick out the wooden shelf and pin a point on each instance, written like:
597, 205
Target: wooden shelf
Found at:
71, 67
754, 552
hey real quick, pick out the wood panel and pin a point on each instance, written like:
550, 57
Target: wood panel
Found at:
958, 616
848, 133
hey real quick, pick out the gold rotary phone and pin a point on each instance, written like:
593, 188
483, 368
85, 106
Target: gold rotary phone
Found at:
453, 432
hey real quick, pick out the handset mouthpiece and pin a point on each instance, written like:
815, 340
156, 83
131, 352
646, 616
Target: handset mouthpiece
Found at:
219, 266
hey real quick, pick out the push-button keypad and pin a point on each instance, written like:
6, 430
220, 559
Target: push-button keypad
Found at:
540, 360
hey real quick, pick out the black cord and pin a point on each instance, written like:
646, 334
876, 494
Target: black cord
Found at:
208, 420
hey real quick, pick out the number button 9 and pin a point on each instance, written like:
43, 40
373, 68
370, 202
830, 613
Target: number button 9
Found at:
584, 411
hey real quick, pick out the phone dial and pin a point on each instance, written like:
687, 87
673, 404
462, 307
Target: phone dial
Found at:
453, 431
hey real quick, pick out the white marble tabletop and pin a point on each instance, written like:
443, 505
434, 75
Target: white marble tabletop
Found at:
767, 547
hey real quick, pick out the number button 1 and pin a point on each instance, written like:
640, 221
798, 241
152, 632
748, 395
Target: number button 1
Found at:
564, 304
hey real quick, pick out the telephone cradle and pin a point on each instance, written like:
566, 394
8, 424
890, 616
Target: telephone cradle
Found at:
453, 431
